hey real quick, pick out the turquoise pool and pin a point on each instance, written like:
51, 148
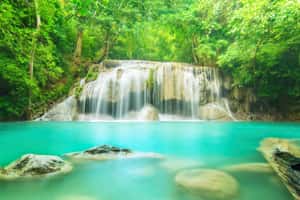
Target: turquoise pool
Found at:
212, 145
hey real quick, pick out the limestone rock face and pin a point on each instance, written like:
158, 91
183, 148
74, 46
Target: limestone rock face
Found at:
106, 152
227, 82
31, 165
149, 113
242, 99
208, 184
269, 145
64, 111
283, 156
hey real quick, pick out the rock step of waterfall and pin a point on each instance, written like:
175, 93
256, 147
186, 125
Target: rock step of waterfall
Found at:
144, 90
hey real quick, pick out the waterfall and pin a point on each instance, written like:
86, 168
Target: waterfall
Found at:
64, 111
174, 89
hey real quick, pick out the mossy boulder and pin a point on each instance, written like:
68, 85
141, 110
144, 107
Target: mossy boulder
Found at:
106, 152
32, 165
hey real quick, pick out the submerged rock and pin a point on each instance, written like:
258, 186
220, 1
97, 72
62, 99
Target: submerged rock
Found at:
146, 171
77, 197
250, 167
209, 184
106, 152
179, 164
31, 165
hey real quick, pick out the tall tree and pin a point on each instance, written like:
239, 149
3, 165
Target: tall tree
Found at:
82, 12
32, 53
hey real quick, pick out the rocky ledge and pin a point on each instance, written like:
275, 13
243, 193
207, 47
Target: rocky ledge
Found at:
264, 168
31, 165
106, 152
284, 157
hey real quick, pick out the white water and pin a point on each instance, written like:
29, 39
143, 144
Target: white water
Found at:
64, 111
174, 89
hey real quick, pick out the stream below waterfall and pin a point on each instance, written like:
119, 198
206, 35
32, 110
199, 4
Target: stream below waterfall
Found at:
200, 145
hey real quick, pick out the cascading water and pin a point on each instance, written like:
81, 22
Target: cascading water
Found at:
174, 89
115, 92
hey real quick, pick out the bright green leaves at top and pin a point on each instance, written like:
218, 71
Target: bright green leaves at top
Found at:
17, 28
82, 8
265, 50
256, 41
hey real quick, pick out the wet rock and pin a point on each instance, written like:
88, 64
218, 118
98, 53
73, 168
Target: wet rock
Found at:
106, 152
283, 156
250, 167
104, 149
213, 112
269, 145
227, 82
64, 111
149, 113
208, 184
76, 197
31, 165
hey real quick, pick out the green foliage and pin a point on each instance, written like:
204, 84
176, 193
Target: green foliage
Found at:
92, 73
78, 91
257, 41
17, 27
14, 87
266, 48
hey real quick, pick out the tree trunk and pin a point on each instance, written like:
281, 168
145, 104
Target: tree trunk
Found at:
78, 49
32, 55
104, 52
194, 53
257, 48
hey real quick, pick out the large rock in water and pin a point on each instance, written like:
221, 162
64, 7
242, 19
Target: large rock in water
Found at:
209, 184
106, 152
283, 156
148, 113
31, 165
213, 112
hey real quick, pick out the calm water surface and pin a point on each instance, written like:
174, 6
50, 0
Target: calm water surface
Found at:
211, 144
